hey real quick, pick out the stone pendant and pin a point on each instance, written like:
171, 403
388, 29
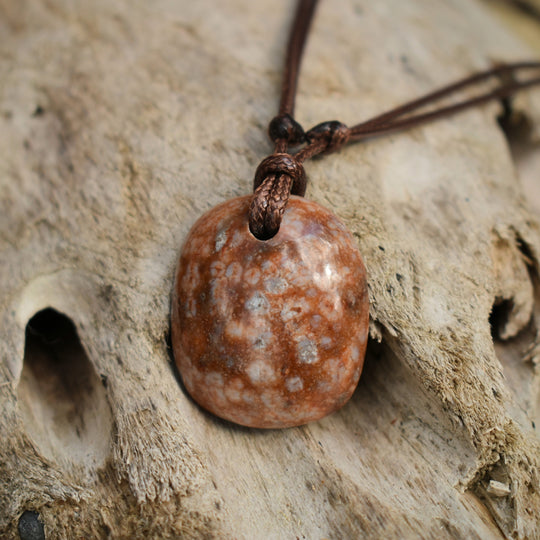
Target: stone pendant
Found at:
270, 334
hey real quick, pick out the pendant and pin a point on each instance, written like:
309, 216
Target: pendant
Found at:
270, 333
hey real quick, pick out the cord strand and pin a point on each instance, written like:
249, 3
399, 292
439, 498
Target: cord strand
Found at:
282, 172
297, 40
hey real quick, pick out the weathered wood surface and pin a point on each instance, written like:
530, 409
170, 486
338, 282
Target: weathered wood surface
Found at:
120, 123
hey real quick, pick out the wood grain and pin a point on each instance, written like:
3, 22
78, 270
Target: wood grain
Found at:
120, 124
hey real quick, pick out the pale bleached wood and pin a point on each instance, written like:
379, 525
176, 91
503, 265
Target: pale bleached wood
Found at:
120, 123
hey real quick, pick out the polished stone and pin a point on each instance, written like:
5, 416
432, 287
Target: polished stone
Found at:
270, 333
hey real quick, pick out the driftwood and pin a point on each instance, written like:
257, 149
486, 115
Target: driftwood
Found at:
120, 123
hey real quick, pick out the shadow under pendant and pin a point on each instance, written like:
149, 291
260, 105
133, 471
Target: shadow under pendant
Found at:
270, 333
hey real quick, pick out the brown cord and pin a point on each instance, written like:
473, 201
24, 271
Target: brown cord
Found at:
282, 173
278, 176
284, 164
297, 39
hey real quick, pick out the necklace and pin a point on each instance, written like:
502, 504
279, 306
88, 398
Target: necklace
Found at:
270, 307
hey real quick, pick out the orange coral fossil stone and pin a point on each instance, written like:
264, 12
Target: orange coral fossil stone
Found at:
270, 334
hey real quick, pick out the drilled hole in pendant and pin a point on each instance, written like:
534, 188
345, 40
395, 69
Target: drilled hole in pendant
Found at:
263, 237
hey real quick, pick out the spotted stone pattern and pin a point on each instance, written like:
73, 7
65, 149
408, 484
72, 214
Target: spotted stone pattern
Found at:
272, 333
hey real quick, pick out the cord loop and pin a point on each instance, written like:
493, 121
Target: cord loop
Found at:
276, 178
282, 164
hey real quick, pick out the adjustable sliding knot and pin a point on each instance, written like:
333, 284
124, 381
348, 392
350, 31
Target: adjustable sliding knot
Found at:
277, 177
330, 136
285, 128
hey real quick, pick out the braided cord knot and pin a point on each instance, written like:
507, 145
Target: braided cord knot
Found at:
277, 177
331, 136
285, 128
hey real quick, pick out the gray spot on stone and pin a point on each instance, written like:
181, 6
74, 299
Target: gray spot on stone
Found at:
260, 371
234, 271
324, 386
214, 379
236, 239
190, 307
275, 285
326, 342
260, 342
221, 238
307, 351
258, 303
287, 314
294, 384
293, 310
